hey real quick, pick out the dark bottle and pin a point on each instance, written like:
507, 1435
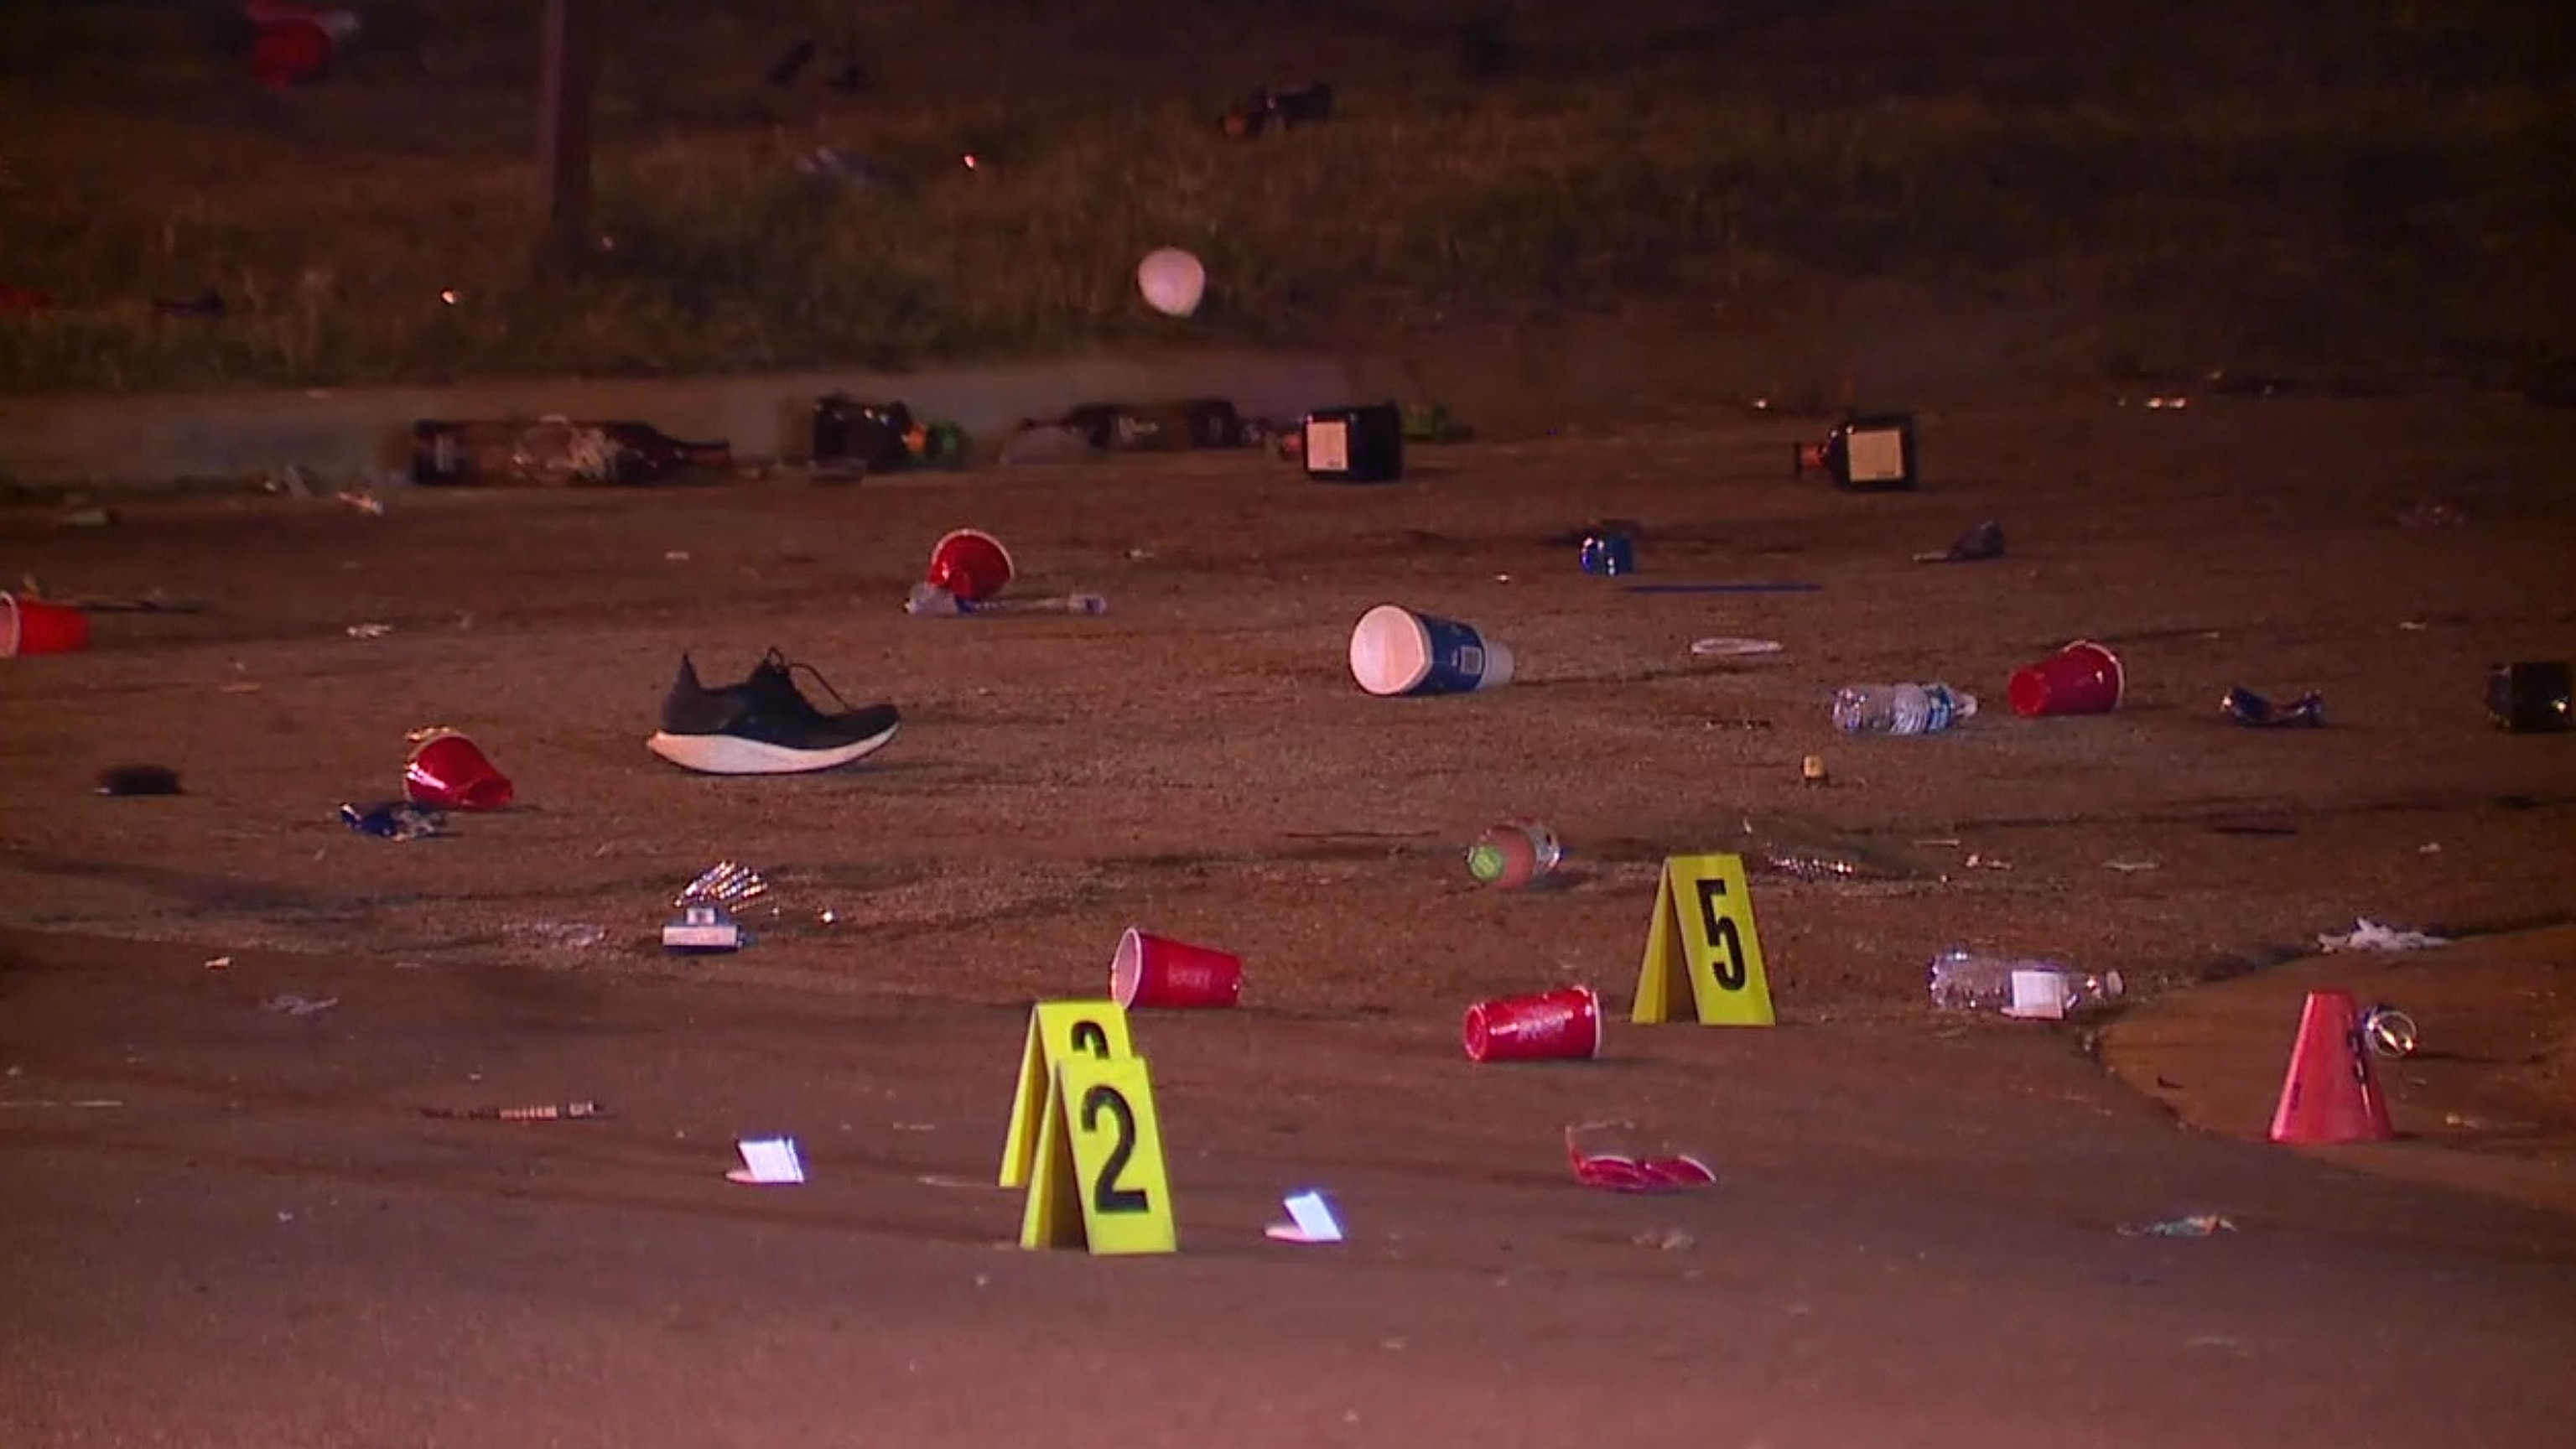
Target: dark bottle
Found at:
869, 434
1870, 453
555, 452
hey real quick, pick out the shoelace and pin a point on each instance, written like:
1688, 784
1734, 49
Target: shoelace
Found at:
780, 663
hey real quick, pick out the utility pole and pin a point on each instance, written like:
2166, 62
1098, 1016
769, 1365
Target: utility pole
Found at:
564, 110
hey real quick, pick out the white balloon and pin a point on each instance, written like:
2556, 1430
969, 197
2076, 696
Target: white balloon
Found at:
1172, 281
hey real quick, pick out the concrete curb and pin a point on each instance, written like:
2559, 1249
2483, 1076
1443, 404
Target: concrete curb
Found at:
148, 441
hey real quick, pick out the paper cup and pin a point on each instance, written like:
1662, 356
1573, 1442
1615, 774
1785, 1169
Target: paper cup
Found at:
1550, 1026
1157, 971
970, 564
450, 772
1396, 651
2082, 678
32, 626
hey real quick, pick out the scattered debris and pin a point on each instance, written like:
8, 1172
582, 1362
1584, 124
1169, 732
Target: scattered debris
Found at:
448, 771
2020, 987
82, 1103
2533, 697
1666, 1240
1311, 1219
1514, 853
1608, 1155
370, 631
929, 601
543, 1112
2389, 1032
2129, 867
2193, 1225
1608, 554
2248, 708
2369, 935
393, 820
92, 516
1984, 541
292, 1004
219, 963
768, 1162
138, 780
360, 500
1812, 770
1732, 647
1172, 281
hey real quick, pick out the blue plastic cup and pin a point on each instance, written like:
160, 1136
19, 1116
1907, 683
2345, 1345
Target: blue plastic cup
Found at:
1396, 651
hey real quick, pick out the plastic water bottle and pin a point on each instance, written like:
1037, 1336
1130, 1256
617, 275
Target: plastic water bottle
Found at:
1900, 709
2018, 986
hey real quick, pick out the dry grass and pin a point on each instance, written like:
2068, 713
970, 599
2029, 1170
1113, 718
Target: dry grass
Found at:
2388, 184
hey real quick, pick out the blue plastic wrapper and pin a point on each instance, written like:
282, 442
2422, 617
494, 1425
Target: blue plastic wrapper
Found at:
2248, 708
393, 820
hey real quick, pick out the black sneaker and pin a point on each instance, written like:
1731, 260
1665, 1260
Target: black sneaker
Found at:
764, 725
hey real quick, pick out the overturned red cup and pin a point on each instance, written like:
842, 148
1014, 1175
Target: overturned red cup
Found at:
1157, 971
2082, 678
970, 564
32, 626
447, 771
1550, 1026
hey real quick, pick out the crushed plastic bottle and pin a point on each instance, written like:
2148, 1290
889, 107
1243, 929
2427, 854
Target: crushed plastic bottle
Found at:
2018, 986
1900, 709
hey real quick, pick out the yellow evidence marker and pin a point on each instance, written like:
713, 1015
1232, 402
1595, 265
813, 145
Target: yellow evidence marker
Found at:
1098, 1181
1058, 1031
1702, 939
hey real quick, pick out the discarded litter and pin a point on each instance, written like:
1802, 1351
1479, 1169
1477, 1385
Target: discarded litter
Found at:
703, 930
768, 1162
2369, 935
1984, 541
292, 1004
929, 601
1149, 971
393, 820
2193, 1225
2248, 708
2533, 697
370, 631
2032, 990
30, 625
1311, 1219
1608, 554
1356, 445
543, 1112
555, 451
2389, 1032
1900, 709
1730, 647
969, 565
448, 771
1546, 1026
1611, 1156
2081, 678
2129, 867
138, 780
1664, 1240
359, 500
727, 883
1397, 651
1513, 853
1866, 453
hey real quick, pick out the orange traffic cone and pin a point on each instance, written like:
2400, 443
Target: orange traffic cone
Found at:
2330, 1094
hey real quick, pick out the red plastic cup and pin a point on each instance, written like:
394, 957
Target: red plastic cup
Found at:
970, 564
2082, 678
32, 626
447, 771
1551, 1026
1151, 971
290, 51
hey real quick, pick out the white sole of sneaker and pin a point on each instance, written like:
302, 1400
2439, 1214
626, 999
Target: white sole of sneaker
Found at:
728, 755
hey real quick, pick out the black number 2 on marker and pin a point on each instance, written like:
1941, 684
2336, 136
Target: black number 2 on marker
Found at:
1106, 1195
1720, 932
1090, 1036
